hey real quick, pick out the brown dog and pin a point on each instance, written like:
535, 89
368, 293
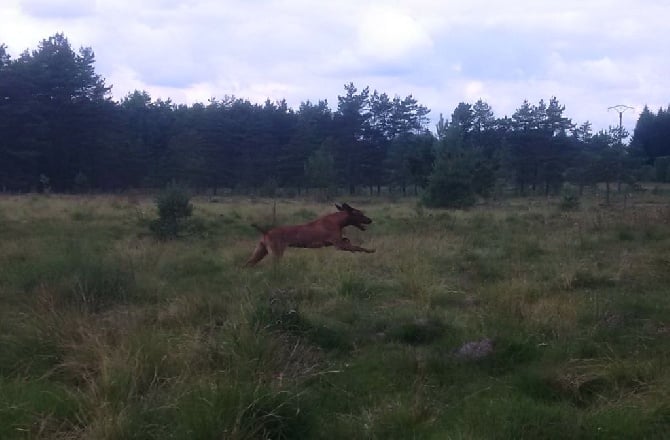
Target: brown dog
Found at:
324, 231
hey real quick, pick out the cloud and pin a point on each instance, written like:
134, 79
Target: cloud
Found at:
388, 35
51, 9
591, 55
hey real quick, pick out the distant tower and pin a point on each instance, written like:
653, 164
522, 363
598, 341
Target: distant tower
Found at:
620, 108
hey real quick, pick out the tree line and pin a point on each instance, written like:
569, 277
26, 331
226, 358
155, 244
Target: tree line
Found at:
60, 130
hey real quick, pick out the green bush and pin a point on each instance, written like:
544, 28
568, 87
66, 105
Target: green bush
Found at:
174, 208
569, 200
449, 188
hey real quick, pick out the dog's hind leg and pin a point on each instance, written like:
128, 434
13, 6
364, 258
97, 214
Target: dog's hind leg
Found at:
259, 253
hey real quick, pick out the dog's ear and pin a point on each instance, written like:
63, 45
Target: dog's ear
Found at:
339, 208
347, 207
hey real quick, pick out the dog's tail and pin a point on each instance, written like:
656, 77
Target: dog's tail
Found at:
261, 230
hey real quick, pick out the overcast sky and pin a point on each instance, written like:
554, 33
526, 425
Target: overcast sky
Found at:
590, 54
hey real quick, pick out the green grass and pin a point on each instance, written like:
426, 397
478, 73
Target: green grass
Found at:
108, 333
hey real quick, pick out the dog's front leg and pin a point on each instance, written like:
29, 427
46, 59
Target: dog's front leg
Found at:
345, 245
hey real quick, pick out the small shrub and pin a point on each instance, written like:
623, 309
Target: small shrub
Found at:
449, 189
458, 177
174, 208
569, 200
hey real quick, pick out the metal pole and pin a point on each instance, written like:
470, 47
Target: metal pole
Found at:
620, 108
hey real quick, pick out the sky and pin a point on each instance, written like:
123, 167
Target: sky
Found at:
590, 54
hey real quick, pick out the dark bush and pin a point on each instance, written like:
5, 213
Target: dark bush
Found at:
569, 200
174, 208
449, 188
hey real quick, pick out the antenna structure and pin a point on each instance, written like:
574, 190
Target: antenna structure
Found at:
620, 108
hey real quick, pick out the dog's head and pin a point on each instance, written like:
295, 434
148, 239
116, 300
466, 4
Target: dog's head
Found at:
354, 216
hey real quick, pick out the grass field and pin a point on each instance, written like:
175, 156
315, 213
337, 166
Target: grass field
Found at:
106, 333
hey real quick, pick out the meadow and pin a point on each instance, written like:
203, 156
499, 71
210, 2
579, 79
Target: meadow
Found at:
108, 333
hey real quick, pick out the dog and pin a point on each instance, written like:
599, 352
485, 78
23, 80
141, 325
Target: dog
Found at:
322, 232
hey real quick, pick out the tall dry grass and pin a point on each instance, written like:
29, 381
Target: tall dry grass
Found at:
108, 333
